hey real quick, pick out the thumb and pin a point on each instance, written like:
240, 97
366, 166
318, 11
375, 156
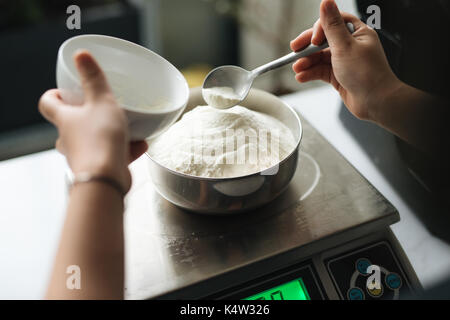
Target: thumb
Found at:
333, 25
93, 79
137, 148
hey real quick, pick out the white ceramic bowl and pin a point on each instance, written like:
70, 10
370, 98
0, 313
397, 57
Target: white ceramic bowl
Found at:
150, 89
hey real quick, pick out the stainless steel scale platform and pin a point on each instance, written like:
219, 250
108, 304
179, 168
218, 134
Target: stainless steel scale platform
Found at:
325, 230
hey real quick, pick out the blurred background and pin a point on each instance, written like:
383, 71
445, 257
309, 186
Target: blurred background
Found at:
195, 35
198, 35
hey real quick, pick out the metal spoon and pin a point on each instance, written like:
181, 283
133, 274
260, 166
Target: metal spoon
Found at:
241, 80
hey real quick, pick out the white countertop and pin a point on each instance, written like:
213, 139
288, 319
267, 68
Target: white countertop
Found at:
34, 197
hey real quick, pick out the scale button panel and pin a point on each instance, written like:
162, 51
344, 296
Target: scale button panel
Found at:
368, 273
393, 281
355, 294
362, 265
376, 290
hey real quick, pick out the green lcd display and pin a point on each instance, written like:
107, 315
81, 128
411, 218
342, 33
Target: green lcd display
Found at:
292, 290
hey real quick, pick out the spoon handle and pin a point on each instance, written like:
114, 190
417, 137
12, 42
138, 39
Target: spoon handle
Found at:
293, 56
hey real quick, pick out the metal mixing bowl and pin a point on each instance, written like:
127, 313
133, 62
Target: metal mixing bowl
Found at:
237, 194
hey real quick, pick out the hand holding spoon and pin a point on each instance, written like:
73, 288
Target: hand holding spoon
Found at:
226, 86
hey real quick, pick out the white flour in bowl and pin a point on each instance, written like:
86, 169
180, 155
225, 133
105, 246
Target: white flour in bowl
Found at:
210, 142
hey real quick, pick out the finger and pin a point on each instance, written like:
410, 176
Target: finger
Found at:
302, 40
59, 145
309, 61
306, 62
93, 79
137, 148
50, 105
318, 36
348, 17
333, 26
319, 72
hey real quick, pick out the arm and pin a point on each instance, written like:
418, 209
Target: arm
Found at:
415, 116
92, 239
94, 139
358, 69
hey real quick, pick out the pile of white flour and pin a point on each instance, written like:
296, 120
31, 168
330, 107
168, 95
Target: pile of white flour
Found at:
210, 142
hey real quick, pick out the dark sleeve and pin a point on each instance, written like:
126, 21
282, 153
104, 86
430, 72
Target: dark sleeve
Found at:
414, 35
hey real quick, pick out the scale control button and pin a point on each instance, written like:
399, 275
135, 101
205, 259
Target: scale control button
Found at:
375, 291
355, 294
393, 281
362, 265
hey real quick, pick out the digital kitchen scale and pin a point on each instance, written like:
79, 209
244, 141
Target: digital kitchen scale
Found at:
323, 238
